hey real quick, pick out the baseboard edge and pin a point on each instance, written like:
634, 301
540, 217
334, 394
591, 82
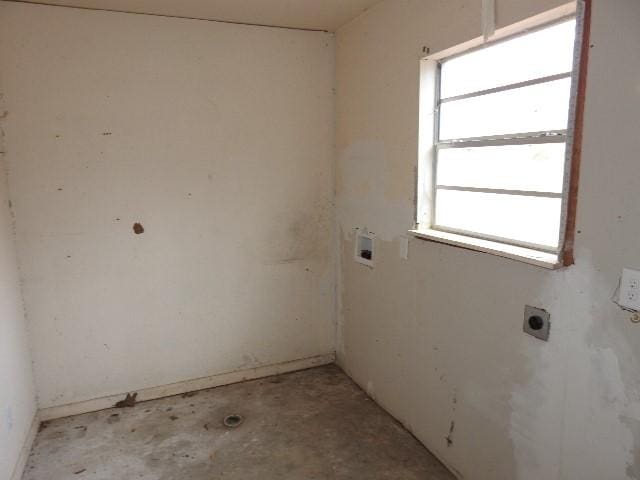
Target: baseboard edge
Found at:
186, 386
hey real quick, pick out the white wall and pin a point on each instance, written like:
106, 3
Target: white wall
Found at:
218, 139
438, 339
17, 391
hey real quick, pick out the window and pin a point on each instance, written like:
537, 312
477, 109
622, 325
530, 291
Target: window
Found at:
499, 145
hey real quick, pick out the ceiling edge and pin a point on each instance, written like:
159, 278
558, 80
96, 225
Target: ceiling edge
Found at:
230, 22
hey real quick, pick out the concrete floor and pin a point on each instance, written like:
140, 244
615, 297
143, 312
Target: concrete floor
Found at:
314, 424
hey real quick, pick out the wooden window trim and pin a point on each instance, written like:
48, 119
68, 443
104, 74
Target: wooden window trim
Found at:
568, 248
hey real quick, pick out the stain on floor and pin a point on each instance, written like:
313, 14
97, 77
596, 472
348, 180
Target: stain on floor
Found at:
128, 402
315, 424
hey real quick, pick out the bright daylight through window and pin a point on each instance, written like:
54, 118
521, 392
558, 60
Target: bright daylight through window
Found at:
501, 135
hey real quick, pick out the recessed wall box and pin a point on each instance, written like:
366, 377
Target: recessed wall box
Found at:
365, 247
537, 322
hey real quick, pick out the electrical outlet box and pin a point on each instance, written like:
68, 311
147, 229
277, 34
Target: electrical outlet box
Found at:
630, 289
365, 247
537, 322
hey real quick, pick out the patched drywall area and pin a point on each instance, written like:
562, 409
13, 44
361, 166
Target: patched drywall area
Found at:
173, 184
437, 339
17, 391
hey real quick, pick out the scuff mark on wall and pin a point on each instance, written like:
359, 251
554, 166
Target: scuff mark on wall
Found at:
449, 437
452, 426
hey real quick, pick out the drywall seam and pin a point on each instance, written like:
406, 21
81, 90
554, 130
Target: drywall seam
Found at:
171, 16
186, 386
26, 449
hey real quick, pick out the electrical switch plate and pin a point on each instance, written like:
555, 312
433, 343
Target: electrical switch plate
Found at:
630, 289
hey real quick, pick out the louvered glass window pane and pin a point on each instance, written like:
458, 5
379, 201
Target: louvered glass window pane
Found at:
542, 107
532, 220
538, 167
540, 54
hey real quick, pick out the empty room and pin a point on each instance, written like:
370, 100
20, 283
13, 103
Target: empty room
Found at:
319, 239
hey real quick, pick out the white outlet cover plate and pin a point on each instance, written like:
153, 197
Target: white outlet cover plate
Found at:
630, 289
363, 236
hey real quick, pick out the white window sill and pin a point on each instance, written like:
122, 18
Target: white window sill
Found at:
526, 255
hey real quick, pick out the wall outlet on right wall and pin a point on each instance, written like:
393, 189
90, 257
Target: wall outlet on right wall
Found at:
537, 322
630, 289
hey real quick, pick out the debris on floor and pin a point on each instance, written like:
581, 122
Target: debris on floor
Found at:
128, 402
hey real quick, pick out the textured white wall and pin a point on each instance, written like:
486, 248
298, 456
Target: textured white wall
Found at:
218, 139
438, 339
17, 391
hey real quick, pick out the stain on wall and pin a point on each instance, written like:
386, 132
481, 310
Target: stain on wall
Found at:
138, 228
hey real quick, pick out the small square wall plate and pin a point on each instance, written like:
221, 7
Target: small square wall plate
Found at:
537, 322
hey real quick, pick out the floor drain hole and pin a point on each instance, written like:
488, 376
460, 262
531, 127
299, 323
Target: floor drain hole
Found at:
233, 421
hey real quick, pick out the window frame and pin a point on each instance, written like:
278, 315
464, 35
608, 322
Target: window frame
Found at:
430, 143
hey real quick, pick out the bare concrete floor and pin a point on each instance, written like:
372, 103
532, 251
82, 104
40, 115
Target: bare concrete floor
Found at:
314, 424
